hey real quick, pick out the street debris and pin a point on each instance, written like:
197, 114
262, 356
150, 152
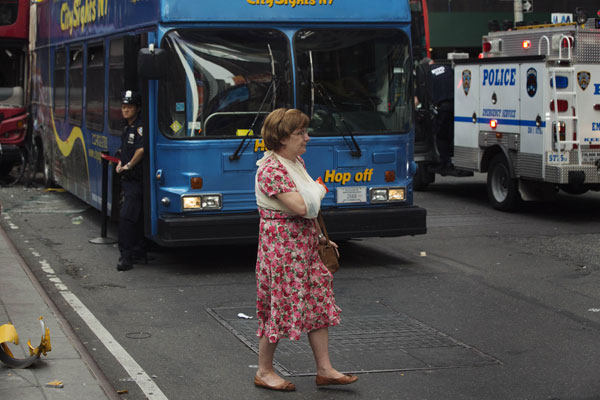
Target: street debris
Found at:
423, 254
244, 316
8, 333
55, 384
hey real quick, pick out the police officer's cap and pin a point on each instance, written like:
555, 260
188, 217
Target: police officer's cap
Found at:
131, 97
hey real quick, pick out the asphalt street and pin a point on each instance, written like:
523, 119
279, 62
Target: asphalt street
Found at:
487, 305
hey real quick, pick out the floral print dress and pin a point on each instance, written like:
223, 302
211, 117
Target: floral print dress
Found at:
294, 288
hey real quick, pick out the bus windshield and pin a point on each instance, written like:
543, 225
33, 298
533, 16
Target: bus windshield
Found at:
354, 81
220, 82
12, 60
8, 12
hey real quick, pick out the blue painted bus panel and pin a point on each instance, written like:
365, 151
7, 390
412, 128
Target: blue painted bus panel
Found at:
346, 159
256, 11
234, 179
75, 19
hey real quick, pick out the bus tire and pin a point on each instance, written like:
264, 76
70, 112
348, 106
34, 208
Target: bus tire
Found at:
49, 181
422, 177
503, 191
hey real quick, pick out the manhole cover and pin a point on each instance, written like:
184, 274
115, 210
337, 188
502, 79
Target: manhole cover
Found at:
377, 339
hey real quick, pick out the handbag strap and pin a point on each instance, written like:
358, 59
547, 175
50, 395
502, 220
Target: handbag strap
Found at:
322, 225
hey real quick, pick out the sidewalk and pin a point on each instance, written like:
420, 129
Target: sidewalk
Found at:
22, 302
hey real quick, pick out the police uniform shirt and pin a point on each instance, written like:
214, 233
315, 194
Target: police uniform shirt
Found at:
132, 139
442, 83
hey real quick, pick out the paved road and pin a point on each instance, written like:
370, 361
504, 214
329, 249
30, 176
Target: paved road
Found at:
487, 305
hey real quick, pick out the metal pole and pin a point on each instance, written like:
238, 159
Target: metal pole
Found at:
104, 197
518, 6
103, 239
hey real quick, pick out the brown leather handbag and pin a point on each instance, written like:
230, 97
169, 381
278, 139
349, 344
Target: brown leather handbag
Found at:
327, 252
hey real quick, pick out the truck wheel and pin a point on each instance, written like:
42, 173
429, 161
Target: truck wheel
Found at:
422, 177
503, 191
574, 189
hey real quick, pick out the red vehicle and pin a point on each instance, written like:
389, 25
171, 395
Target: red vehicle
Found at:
14, 33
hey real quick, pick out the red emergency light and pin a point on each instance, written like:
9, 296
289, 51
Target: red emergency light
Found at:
493, 123
566, 42
597, 106
487, 47
526, 44
563, 105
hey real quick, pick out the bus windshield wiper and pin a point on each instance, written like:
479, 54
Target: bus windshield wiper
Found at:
241, 148
352, 144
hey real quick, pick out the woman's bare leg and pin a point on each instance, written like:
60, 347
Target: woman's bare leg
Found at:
319, 342
266, 353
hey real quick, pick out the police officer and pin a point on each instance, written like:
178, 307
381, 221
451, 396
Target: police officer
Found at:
131, 221
442, 124
435, 91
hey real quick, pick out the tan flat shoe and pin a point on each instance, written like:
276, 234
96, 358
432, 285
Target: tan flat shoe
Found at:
344, 380
284, 387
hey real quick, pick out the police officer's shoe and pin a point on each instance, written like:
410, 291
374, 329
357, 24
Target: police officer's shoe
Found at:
124, 264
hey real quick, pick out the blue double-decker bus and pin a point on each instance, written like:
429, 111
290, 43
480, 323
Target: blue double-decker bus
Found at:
209, 72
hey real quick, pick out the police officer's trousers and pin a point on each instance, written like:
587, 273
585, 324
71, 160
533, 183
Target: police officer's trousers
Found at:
131, 221
443, 129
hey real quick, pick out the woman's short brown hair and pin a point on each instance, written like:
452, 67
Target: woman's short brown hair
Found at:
280, 123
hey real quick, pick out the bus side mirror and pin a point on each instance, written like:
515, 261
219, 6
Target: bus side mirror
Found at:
152, 63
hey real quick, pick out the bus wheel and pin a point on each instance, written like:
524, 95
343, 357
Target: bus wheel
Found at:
422, 177
48, 174
503, 191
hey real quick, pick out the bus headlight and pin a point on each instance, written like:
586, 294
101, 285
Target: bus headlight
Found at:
211, 201
378, 195
396, 194
201, 202
381, 195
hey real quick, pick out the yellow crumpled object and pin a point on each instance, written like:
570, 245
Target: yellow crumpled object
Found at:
8, 333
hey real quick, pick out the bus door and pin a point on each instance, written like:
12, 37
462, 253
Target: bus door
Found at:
122, 54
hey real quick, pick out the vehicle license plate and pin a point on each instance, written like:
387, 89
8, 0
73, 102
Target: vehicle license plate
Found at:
352, 194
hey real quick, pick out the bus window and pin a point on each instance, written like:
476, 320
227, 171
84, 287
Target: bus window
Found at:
116, 68
60, 64
8, 12
219, 81
12, 60
354, 81
75, 85
94, 98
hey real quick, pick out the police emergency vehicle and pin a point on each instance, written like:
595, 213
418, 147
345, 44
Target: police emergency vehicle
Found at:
528, 112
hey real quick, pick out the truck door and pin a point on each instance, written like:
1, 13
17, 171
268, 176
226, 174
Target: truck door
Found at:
466, 116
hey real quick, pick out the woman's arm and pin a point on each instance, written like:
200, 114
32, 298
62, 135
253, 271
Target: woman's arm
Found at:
294, 201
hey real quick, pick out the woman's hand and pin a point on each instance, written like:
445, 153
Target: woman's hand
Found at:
335, 246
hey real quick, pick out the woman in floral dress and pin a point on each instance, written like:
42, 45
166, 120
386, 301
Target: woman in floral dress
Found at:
294, 289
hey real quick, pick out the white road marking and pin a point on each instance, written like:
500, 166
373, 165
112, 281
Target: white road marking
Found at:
150, 389
47, 268
138, 375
